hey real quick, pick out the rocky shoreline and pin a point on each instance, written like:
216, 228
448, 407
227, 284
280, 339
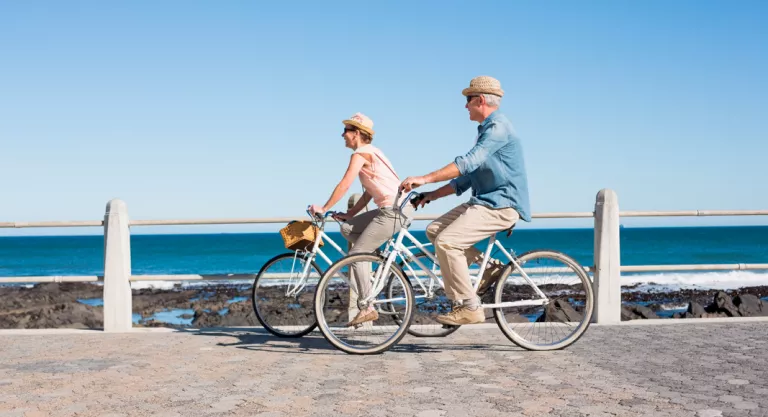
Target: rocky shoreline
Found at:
744, 302
57, 305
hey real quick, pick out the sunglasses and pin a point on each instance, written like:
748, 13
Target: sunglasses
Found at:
469, 98
349, 129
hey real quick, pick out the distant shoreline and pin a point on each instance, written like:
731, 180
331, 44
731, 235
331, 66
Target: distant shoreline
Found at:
63, 305
521, 228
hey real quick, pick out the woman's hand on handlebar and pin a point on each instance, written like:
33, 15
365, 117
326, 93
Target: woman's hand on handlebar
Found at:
316, 210
341, 217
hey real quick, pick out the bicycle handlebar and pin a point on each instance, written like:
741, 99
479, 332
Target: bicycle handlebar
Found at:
321, 217
419, 197
406, 200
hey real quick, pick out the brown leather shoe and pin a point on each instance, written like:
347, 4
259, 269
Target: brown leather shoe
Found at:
364, 316
462, 315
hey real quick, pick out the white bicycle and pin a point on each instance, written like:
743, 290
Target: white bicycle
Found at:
284, 289
542, 300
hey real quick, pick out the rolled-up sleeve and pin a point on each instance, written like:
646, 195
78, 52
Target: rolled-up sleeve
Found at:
460, 184
490, 141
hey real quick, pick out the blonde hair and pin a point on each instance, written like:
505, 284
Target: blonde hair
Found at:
365, 137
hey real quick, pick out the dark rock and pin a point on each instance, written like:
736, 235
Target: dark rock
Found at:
725, 305
240, 314
636, 312
149, 301
655, 307
695, 310
68, 315
627, 314
644, 312
560, 310
749, 305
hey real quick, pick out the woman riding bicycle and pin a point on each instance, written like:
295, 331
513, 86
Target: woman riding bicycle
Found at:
369, 230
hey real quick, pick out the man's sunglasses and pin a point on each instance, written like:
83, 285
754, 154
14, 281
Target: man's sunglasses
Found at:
469, 98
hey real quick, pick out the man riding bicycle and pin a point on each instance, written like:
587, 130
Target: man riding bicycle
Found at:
495, 170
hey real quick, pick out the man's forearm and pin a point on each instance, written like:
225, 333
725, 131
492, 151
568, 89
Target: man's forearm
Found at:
445, 173
441, 192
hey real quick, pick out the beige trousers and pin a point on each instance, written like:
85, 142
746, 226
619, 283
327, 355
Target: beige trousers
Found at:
454, 234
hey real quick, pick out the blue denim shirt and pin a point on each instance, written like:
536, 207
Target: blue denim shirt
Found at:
494, 168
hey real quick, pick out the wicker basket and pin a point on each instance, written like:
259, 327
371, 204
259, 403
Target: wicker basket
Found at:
300, 235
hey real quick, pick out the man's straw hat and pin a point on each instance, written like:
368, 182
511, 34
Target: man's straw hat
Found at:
361, 122
484, 85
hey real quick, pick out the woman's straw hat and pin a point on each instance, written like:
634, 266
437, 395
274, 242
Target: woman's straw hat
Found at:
361, 122
484, 85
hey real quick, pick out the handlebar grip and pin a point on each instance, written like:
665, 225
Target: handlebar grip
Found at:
316, 216
419, 197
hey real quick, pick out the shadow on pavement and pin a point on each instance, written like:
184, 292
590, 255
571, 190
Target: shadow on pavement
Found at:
257, 339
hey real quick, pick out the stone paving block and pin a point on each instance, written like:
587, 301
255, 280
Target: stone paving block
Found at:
709, 413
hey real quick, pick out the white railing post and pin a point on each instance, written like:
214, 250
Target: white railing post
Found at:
117, 268
607, 275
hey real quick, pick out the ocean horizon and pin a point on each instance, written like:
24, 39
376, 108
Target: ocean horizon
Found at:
245, 253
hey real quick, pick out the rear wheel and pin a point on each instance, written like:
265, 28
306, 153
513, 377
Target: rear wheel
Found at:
283, 296
552, 321
429, 296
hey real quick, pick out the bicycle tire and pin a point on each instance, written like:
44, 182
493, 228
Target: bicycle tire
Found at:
580, 272
261, 317
443, 331
320, 303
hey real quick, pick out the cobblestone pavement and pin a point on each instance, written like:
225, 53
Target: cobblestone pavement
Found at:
660, 370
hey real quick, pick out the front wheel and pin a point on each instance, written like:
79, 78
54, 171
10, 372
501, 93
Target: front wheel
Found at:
547, 305
283, 294
336, 305
429, 295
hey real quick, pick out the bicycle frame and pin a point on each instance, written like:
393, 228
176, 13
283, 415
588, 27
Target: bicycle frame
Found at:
399, 249
310, 256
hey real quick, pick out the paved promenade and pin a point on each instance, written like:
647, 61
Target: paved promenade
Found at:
712, 369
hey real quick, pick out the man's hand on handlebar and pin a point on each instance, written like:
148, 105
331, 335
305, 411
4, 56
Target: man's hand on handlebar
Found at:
412, 182
421, 200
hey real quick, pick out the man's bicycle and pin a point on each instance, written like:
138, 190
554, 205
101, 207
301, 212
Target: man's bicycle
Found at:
542, 300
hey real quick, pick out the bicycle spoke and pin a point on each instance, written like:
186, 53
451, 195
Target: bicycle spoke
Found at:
566, 312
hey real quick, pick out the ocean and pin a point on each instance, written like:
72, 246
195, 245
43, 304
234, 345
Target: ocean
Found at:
246, 253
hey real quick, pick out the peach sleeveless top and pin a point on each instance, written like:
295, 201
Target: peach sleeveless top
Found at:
378, 177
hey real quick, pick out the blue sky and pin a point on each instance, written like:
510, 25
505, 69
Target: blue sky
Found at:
234, 109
